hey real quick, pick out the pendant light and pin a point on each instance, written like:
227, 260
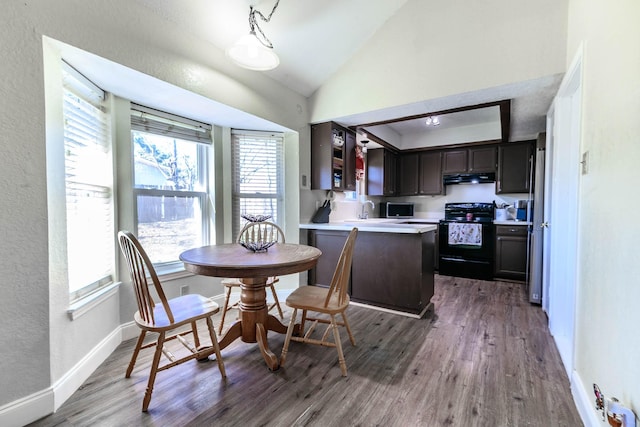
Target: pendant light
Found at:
254, 51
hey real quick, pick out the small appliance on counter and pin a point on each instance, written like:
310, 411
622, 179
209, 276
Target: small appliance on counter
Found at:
396, 210
524, 210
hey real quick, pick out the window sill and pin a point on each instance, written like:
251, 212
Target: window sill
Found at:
84, 305
172, 271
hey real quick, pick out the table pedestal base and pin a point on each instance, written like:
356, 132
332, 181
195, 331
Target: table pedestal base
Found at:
255, 321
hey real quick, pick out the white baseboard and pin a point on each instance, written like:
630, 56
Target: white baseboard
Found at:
28, 409
47, 401
585, 402
31, 408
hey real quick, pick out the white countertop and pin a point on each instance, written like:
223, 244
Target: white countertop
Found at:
512, 222
378, 225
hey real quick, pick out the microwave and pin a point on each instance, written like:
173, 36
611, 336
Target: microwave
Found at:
396, 210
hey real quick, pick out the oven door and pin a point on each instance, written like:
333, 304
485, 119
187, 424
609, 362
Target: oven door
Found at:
466, 251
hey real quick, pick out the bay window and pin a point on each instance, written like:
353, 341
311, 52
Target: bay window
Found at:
170, 183
258, 179
88, 185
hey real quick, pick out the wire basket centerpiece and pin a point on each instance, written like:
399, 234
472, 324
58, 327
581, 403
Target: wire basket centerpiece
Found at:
255, 218
259, 234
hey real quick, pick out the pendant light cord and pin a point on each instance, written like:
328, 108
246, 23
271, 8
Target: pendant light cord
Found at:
253, 24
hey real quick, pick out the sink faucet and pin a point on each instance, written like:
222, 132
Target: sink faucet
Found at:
364, 214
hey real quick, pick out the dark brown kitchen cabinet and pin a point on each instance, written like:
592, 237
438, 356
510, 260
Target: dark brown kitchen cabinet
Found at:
430, 177
408, 174
482, 159
332, 157
381, 172
381, 274
476, 159
511, 252
455, 161
436, 250
514, 167
330, 243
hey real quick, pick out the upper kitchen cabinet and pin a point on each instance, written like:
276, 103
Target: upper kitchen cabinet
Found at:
333, 157
514, 167
420, 173
455, 161
476, 159
430, 178
408, 174
381, 172
482, 159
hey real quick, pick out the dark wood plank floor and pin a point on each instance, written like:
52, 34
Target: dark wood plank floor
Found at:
483, 358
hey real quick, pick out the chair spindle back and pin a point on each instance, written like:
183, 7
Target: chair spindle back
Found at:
340, 279
141, 270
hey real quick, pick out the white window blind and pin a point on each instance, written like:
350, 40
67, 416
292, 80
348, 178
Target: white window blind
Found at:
158, 122
88, 185
258, 175
170, 184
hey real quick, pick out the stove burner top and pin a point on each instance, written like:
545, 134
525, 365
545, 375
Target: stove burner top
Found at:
469, 212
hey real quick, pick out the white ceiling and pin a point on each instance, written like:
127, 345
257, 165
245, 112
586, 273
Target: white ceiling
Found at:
325, 34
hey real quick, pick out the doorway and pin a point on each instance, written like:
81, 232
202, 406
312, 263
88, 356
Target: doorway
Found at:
560, 272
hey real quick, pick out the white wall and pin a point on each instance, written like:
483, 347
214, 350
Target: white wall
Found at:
608, 318
41, 346
432, 49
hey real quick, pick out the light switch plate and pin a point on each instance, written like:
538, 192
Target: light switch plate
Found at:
585, 163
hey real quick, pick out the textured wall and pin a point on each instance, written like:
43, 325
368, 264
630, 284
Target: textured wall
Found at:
608, 341
40, 344
24, 306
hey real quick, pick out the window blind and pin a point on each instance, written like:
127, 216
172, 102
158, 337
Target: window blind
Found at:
258, 175
162, 123
88, 185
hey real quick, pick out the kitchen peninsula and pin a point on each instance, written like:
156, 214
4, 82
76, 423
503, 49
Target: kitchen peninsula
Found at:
393, 262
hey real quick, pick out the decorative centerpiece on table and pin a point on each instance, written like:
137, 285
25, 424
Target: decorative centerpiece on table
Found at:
253, 237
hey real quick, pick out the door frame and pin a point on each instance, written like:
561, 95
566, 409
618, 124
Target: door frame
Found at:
562, 212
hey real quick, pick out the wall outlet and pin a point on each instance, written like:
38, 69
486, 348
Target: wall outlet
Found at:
184, 290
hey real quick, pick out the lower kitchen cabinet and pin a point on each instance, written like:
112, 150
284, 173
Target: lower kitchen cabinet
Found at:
511, 252
330, 243
436, 250
389, 270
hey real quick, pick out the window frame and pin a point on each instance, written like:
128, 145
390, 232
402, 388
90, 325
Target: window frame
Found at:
203, 145
236, 196
79, 86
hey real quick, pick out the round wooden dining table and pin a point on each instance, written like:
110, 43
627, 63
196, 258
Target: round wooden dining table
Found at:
253, 269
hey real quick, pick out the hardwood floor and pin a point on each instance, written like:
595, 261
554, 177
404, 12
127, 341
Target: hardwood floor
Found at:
484, 358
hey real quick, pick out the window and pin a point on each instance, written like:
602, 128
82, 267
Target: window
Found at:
88, 185
170, 183
257, 175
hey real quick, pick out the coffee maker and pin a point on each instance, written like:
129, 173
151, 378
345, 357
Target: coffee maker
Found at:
524, 210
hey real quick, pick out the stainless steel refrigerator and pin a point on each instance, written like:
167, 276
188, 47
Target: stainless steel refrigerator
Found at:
535, 209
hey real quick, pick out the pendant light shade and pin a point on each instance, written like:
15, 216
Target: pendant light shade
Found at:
254, 51
249, 53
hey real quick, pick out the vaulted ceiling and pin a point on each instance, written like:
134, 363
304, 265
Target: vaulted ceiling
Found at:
315, 38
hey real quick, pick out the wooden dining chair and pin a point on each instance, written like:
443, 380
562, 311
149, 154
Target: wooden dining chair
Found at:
165, 317
324, 301
254, 232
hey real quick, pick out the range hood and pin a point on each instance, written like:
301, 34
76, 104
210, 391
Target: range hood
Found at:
469, 178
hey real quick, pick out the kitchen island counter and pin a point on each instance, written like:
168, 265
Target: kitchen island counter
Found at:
392, 267
375, 226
